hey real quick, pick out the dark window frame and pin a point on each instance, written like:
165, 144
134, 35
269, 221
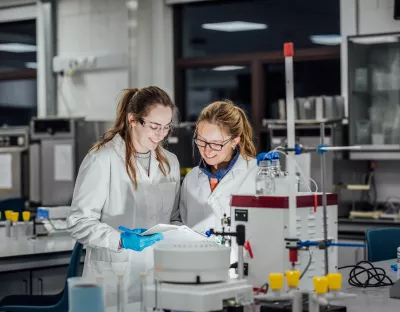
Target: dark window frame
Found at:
256, 61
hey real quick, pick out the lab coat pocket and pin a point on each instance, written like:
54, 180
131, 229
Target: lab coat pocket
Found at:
167, 192
103, 260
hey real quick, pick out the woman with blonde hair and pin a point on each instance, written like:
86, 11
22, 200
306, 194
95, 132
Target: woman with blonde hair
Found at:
224, 138
127, 182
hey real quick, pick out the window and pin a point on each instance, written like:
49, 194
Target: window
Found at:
206, 85
18, 101
227, 27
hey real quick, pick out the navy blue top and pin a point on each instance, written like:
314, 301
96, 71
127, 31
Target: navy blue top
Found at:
220, 173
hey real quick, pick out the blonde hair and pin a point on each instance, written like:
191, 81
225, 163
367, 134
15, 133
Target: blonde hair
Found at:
137, 102
234, 121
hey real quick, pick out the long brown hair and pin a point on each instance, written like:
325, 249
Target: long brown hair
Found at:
234, 121
137, 102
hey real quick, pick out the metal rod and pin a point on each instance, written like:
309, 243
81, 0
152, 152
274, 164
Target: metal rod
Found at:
297, 303
341, 148
119, 295
142, 277
322, 133
290, 117
240, 262
313, 305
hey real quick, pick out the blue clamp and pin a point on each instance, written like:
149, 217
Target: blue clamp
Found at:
321, 149
274, 156
394, 267
207, 233
263, 156
297, 149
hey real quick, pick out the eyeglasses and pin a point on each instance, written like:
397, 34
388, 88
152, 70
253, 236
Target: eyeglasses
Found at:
155, 127
214, 146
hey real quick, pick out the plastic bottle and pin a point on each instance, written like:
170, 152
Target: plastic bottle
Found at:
280, 177
264, 180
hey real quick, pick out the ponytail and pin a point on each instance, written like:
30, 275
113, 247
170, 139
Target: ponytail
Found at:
123, 105
120, 124
121, 127
246, 145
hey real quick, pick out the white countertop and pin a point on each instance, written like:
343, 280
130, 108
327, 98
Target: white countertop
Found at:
371, 299
26, 246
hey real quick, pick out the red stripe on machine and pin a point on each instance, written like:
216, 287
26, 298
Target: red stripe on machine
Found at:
281, 202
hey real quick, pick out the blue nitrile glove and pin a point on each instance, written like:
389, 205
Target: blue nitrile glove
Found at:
130, 239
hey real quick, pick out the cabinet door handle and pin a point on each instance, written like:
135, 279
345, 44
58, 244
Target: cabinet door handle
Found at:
40, 281
25, 283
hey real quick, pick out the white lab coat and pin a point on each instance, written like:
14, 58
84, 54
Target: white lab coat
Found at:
201, 209
104, 199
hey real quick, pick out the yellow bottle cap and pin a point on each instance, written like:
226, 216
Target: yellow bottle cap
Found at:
8, 214
276, 281
14, 216
292, 278
320, 285
26, 215
334, 281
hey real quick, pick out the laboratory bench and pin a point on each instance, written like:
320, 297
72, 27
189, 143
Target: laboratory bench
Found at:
366, 299
34, 266
358, 226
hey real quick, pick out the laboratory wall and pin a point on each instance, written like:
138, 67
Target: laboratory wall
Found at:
362, 17
141, 29
86, 28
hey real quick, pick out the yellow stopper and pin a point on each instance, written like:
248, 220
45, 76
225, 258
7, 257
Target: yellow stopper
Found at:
276, 281
292, 278
320, 285
8, 214
14, 216
334, 281
26, 216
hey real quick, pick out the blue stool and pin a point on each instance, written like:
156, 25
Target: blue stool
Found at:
45, 303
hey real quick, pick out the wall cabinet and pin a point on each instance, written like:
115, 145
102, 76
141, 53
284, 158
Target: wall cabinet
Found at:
49, 281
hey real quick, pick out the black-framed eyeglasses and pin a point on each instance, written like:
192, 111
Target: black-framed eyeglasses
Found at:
214, 146
153, 126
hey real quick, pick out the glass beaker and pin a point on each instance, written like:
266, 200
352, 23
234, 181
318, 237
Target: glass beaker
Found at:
85, 295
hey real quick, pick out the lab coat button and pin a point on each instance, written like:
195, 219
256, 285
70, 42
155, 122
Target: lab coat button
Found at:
153, 217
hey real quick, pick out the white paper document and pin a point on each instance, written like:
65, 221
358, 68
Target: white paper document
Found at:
63, 162
176, 234
5, 171
160, 228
